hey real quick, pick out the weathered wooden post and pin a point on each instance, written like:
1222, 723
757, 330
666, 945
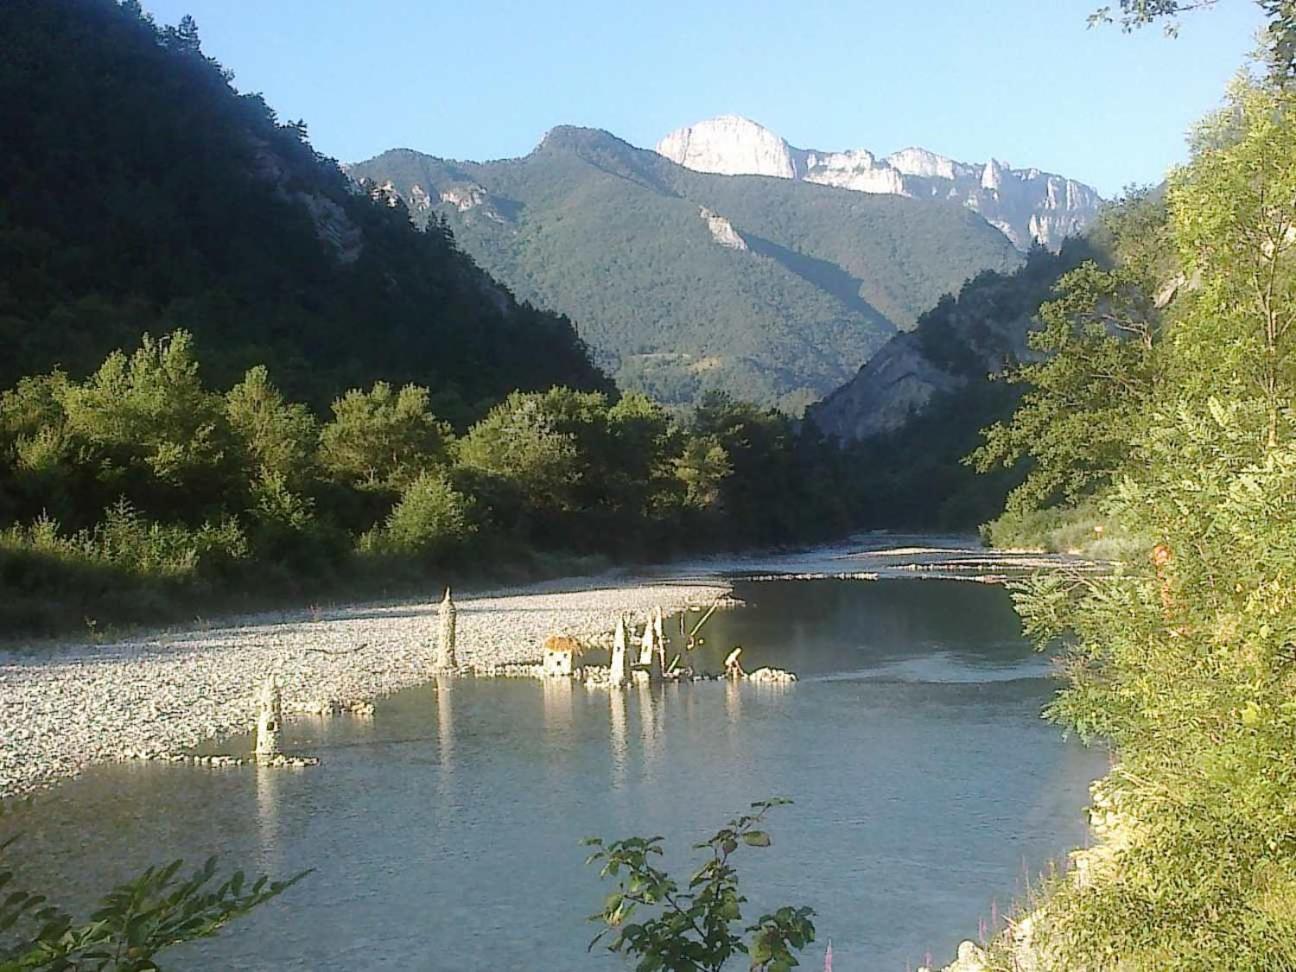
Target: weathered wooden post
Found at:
446, 639
646, 645
617, 669
659, 636
269, 720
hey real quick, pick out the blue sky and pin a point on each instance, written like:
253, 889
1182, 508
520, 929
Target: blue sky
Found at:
1021, 80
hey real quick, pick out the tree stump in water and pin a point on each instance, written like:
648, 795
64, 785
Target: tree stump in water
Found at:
446, 660
617, 668
269, 720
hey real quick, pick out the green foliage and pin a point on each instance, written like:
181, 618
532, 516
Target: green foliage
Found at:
134, 922
1093, 372
273, 435
521, 457
1234, 217
126, 542
612, 235
702, 468
1184, 656
1083, 529
142, 191
691, 928
141, 426
432, 520
382, 439
209, 499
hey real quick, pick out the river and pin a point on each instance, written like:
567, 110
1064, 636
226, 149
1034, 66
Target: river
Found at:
445, 831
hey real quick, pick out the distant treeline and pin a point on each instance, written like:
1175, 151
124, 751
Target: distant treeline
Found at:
140, 491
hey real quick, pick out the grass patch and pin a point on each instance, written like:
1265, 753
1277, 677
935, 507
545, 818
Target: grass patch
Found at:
1083, 529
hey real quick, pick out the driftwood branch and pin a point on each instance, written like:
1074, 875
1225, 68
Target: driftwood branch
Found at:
346, 651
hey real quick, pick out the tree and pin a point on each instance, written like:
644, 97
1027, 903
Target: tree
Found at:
764, 496
642, 439
150, 416
522, 457
382, 439
275, 437
431, 520
1094, 370
142, 427
690, 929
184, 36
1184, 655
702, 467
1280, 34
1235, 224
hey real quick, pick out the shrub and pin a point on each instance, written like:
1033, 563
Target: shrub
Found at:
431, 520
382, 439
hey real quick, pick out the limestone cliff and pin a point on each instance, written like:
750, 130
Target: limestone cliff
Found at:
957, 343
1026, 205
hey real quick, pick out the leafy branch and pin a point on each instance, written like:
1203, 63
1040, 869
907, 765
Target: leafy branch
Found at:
134, 922
691, 929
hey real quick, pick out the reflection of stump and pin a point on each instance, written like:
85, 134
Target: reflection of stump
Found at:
446, 637
269, 720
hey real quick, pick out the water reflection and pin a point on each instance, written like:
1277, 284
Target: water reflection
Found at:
558, 704
733, 706
267, 805
620, 748
445, 738
647, 728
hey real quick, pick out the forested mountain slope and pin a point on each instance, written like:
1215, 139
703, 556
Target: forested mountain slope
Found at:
139, 190
961, 341
916, 409
685, 282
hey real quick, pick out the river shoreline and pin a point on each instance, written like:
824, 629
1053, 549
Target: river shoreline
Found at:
69, 705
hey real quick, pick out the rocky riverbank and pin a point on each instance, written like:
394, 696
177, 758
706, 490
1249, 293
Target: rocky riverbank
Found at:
65, 707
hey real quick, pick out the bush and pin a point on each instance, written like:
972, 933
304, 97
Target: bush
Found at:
381, 438
431, 521
1084, 529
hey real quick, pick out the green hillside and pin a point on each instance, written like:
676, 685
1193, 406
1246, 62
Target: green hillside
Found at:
140, 191
614, 236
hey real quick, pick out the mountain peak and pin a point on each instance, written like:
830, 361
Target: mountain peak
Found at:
1026, 205
914, 161
730, 145
577, 136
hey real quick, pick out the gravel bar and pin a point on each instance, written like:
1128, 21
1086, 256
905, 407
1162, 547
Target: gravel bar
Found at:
66, 707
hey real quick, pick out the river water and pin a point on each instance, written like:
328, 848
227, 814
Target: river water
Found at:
445, 831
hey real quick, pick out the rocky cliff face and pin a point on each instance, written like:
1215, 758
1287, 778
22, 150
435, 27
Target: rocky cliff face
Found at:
958, 343
1026, 205
896, 383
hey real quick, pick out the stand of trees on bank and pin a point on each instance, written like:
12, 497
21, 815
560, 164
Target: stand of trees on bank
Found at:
140, 492
1164, 404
